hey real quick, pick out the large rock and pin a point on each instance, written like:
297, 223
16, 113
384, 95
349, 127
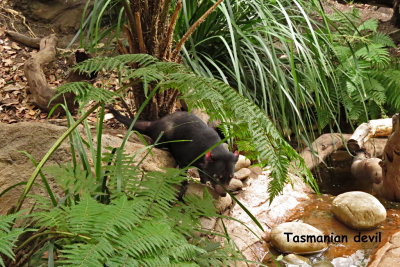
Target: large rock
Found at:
358, 210
36, 139
297, 237
388, 254
65, 15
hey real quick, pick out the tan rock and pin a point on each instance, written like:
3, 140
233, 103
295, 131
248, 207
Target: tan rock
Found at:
297, 260
36, 139
242, 162
208, 223
197, 189
297, 237
358, 210
242, 174
388, 254
235, 185
222, 203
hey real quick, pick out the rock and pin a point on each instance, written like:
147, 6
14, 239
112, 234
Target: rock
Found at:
323, 264
36, 139
255, 171
242, 174
197, 189
242, 162
222, 203
388, 254
64, 14
208, 223
297, 260
300, 238
358, 210
235, 185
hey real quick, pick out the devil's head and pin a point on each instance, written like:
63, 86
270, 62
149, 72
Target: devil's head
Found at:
218, 167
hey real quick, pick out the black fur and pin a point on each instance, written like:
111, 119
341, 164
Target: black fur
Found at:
218, 168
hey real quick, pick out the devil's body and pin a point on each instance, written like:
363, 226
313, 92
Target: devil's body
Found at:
187, 137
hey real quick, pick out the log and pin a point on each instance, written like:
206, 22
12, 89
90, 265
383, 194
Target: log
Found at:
368, 130
322, 147
41, 92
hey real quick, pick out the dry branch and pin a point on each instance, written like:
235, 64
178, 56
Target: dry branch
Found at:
25, 40
389, 188
41, 92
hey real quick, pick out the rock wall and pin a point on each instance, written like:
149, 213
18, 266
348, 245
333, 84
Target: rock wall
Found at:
36, 139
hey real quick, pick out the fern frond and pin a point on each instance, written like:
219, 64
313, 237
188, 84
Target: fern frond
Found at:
85, 92
159, 190
375, 54
8, 236
112, 63
368, 25
87, 255
382, 39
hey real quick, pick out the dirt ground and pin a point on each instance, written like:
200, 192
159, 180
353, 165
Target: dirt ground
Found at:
19, 16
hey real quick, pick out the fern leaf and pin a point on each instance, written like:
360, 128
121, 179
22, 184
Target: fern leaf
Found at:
368, 25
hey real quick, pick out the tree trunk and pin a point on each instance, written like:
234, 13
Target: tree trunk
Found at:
389, 188
149, 29
396, 13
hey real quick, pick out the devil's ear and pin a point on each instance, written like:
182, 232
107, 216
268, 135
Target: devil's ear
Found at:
236, 154
208, 156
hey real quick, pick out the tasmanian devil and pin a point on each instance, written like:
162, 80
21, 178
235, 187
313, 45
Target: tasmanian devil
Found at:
216, 166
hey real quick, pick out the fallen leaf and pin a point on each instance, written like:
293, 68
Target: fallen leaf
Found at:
8, 62
15, 46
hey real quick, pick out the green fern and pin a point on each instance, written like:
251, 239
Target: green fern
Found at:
366, 74
8, 236
141, 231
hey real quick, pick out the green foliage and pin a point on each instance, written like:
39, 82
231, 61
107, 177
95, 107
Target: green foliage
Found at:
221, 102
272, 52
368, 78
8, 236
148, 228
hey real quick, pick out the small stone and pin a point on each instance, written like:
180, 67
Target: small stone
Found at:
208, 223
323, 264
222, 203
235, 185
358, 210
242, 162
242, 174
197, 189
297, 260
297, 237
